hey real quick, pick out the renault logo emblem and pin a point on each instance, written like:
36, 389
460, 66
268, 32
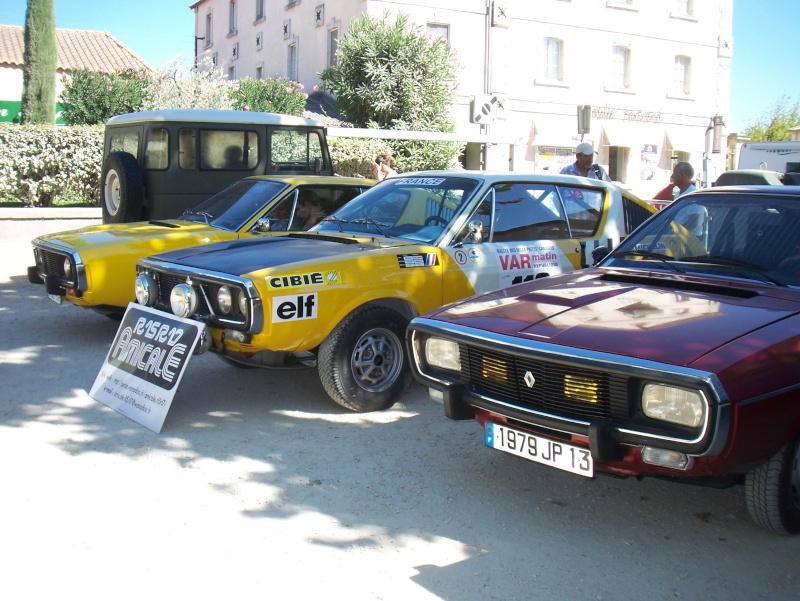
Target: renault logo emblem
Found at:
529, 379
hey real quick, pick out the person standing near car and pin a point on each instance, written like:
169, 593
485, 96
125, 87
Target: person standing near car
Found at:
383, 167
682, 176
584, 164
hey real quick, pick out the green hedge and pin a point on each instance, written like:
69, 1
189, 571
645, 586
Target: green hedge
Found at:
43, 165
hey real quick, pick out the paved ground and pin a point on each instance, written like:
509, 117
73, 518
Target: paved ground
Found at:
259, 487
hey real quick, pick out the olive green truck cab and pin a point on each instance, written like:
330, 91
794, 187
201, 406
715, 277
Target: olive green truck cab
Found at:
157, 164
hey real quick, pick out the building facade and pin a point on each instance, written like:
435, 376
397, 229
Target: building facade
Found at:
653, 77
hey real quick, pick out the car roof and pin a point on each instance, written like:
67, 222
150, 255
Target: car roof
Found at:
214, 116
758, 190
765, 176
511, 176
323, 180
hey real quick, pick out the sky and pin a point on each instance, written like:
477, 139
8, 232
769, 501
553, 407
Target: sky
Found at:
766, 43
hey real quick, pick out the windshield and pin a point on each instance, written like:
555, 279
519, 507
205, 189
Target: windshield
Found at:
234, 206
745, 236
415, 208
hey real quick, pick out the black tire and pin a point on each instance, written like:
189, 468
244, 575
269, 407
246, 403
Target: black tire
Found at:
772, 491
363, 364
121, 189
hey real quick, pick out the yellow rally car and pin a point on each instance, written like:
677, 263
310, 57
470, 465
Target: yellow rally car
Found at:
341, 295
93, 267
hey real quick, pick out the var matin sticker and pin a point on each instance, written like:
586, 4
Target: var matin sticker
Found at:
145, 364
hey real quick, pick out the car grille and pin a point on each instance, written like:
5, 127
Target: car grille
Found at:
556, 388
51, 263
634, 215
166, 282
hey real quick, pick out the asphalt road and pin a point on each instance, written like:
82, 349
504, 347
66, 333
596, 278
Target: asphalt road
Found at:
259, 487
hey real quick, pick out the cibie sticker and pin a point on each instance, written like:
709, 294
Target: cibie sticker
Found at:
295, 280
294, 307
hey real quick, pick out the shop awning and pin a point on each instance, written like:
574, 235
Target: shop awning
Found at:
628, 134
551, 132
685, 139
679, 138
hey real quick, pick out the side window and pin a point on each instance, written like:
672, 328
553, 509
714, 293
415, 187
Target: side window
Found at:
281, 214
483, 214
187, 148
294, 150
528, 211
584, 208
229, 150
156, 148
125, 143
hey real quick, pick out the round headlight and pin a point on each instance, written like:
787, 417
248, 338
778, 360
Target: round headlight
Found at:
67, 268
242, 300
224, 299
183, 300
146, 289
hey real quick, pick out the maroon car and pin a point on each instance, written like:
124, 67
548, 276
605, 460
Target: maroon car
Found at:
676, 357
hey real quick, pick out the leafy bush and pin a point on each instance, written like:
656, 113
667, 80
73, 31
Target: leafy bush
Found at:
278, 95
391, 71
92, 97
391, 75
353, 157
181, 85
42, 165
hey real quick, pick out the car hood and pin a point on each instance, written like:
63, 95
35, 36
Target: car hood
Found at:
156, 234
653, 318
240, 257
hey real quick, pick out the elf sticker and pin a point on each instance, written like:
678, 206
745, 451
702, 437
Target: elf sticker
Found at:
294, 307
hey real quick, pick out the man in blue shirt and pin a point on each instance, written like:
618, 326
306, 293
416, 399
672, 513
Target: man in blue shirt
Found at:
584, 165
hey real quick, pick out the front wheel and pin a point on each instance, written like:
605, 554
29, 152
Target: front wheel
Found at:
772, 491
362, 364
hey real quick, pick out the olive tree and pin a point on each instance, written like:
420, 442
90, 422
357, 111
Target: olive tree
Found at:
775, 124
392, 75
40, 60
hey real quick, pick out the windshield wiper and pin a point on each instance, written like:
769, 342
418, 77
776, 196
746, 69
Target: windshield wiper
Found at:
378, 225
207, 217
760, 270
665, 259
336, 220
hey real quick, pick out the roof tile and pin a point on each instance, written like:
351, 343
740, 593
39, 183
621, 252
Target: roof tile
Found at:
77, 49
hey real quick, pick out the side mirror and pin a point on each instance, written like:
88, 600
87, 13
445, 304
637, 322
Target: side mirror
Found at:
600, 253
317, 166
261, 226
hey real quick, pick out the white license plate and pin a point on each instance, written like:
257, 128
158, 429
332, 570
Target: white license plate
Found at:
56, 298
541, 450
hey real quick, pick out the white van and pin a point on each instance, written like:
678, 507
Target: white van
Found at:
772, 156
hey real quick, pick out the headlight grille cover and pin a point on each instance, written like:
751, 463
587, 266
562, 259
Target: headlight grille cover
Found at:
557, 388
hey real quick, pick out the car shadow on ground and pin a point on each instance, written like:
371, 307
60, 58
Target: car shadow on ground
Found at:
395, 482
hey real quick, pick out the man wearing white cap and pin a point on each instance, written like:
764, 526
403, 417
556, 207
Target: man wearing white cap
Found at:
584, 164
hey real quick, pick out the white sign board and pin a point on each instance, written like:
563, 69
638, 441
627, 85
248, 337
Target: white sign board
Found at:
145, 364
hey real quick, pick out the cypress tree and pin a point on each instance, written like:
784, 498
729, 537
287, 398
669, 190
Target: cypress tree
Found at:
39, 70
